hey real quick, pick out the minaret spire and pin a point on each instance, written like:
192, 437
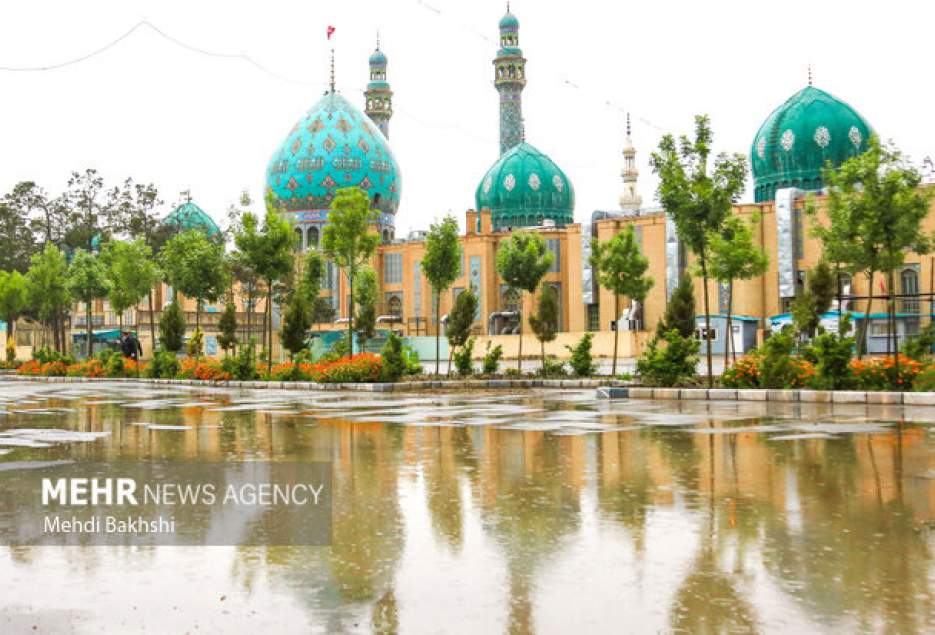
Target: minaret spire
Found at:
509, 80
630, 201
332, 70
809, 74
379, 96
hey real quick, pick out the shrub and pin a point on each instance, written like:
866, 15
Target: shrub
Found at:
364, 367
919, 346
196, 343
462, 358
206, 369
669, 365
46, 355
778, 368
88, 368
394, 364
242, 366
832, 356
413, 363
925, 380
879, 373
551, 367
581, 362
10, 352
172, 328
165, 365
291, 371
745, 373
492, 359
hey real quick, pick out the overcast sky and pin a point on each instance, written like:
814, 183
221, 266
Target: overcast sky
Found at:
149, 109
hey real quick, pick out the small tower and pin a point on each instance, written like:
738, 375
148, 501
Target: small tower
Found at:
510, 79
630, 201
378, 94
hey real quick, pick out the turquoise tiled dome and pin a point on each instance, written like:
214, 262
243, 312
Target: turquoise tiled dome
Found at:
189, 216
333, 146
798, 138
509, 22
378, 58
525, 187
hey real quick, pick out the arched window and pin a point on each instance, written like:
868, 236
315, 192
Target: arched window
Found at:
298, 238
512, 301
312, 236
909, 285
395, 306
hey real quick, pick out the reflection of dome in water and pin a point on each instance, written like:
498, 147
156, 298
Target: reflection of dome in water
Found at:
523, 188
333, 146
798, 138
189, 216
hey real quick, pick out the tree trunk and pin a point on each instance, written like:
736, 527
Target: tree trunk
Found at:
729, 342
269, 327
613, 367
519, 356
152, 325
893, 326
88, 333
438, 332
862, 342
707, 322
350, 315
542, 351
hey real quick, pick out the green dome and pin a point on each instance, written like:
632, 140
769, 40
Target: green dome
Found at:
525, 187
509, 22
189, 216
798, 138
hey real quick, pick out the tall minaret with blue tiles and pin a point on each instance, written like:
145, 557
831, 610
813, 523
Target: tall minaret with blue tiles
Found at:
378, 94
510, 79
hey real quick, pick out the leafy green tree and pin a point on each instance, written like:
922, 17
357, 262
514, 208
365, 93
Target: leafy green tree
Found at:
16, 233
581, 362
228, 326
49, 296
196, 266
314, 269
808, 308
544, 322
14, 298
394, 361
522, 262
875, 213
89, 213
347, 240
734, 256
698, 202
680, 310
365, 301
172, 328
87, 282
621, 269
441, 266
460, 320
131, 274
268, 254
295, 325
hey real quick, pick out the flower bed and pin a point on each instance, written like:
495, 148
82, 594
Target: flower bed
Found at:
361, 368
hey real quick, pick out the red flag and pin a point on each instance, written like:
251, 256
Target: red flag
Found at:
330, 31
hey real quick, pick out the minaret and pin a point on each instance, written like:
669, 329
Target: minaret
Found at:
379, 96
631, 201
510, 79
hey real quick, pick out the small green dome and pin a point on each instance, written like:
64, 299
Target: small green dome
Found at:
798, 138
525, 187
509, 22
378, 58
189, 216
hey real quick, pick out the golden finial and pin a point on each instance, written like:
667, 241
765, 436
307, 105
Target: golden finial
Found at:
628, 124
332, 69
809, 74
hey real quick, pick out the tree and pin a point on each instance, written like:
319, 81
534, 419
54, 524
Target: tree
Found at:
172, 328
267, 253
88, 213
734, 256
460, 320
227, 326
313, 272
522, 261
680, 310
365, 299
348, 242
196, 266
696, 201
441, 266
87, 282
295, 325
544, 323
47, 284
131, 274
621, 269
16, 234
14, 298
875, 211
808, 308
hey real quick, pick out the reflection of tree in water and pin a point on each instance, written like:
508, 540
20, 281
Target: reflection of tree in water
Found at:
877, 567
339, 582
446, 452
531, 502
625, 485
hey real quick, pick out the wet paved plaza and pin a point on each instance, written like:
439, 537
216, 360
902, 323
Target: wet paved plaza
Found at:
490, 512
